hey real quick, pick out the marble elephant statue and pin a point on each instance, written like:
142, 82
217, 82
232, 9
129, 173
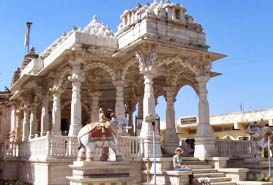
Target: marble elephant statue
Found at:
99, 135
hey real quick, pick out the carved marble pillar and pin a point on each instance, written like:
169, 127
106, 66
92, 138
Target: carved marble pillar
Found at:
171, 138
148, 108
146, 68
26, 115
44, 114
148, 99
204, 140
76, 108
139, 120
18, 120
119, 107
56, 111
94, 106
33, 120
12, 123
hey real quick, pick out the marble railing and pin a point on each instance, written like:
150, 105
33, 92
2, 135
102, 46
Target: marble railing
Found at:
62, 147
52, 146
65, 147
233, 148
131, 146
9, 149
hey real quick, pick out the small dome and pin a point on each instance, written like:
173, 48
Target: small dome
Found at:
96, 28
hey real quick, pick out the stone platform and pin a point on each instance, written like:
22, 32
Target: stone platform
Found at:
100, 173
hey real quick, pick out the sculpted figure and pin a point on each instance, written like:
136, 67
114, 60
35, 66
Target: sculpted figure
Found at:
98, 135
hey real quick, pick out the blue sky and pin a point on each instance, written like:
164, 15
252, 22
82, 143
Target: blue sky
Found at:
242, 30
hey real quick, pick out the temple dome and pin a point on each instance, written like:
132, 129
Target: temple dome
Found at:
96, 28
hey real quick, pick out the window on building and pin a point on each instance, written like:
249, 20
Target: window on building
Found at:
178, 14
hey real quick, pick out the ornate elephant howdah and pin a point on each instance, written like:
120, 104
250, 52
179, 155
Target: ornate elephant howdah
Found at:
100, 131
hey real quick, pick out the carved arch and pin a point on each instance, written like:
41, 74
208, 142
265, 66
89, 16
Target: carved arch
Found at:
125, 69
105, 67
59, 79
187, 82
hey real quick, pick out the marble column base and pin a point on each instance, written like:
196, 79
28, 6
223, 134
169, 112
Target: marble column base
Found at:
204, 147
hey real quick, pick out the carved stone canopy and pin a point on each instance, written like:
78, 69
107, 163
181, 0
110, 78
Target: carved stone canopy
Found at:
160, 37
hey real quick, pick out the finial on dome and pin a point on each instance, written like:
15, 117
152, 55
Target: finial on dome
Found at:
167, 1
94, 18
32, 50
75, 28
155, 1
138, 5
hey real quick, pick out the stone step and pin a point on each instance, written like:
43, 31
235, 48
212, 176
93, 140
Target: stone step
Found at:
256, 161
203, 170
199, 166
223, 183
194, 162
190, 159
216, 174
199, 169
220, 179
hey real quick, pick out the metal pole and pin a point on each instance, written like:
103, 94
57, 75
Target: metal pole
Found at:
27, 35
268, 156
154, 153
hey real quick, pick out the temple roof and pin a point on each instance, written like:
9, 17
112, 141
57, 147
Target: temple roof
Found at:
166, 10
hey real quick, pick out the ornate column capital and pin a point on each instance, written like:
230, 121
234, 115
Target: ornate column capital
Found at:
146, 61
57, 90
76, 77
202, 81
77, 74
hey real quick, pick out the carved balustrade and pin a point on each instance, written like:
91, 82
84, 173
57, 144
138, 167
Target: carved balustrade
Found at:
66, 147
62, 147
131, 147
9, 149
53, 147
233, 148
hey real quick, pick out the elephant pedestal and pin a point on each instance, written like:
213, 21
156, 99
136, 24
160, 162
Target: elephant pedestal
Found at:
100, 172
